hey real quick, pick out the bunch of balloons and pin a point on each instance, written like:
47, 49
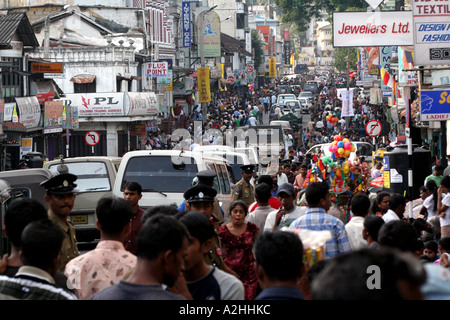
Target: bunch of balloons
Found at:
341, 147
332, 118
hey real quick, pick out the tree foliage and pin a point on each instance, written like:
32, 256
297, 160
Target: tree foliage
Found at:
301, 12
340, 58
258, 49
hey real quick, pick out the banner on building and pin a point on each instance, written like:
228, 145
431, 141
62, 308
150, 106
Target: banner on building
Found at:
186, 23
406, 77
204, 92
387, 53
53, 116
272, 67
346, 95
431, 37
157, 69
209, 30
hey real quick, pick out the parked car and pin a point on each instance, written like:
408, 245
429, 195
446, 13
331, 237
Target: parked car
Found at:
281, 98
307, 95
95, 179
296, 108
306, 103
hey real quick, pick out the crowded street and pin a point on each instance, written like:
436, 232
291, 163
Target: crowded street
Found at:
242, 155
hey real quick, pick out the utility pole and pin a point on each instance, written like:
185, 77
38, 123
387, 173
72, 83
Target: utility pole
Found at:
201, 38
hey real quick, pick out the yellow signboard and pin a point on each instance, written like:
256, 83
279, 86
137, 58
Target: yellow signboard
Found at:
204, 92
47, 67
272, 68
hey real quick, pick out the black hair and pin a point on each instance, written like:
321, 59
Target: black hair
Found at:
396, 200
263, 192
239, 203
158, 234
41, 243
431, 245
19, 213
375, 207
265, 178
360, 205
113, 214
445, 181
433, 188
373, 224
345, 277
170, 210
445, 243
398, 234
315, 192
133, 186
198, 225
280, 254
439, 167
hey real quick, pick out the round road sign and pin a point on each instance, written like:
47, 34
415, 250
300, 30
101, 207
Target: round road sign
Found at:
230, 79
373, 128
249, 68
92, 138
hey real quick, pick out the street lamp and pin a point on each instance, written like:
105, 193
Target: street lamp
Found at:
202, 52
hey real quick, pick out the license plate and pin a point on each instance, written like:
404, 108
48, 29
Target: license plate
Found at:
79, 219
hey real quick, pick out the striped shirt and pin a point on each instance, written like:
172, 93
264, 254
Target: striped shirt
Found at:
317, 219
31, 283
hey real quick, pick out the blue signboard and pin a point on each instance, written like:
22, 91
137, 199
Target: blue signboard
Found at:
186, 23
435, 105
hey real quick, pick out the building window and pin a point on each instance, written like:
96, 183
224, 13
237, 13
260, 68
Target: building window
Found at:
12, 82
84, 87
240, 20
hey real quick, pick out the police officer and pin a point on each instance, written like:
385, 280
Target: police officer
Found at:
200, 198
244, 190
60, 197
206, 177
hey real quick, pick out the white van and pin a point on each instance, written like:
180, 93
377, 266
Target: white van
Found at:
166, 174
95, 179
235, 159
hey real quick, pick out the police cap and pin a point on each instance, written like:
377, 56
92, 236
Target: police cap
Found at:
200, 193
206, 177
248, 168
60, 184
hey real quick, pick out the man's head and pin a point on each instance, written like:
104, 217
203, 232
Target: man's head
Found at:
61, 193
263, 193
439, 170
267, 179
19, 214
206, 177
318, 195
369, 274
163, 240
247, 171
371, 227
360, 204
279, 258
114, 216
41, 245
132, 192
201, 232
397, 203
286, 194
200, 198
303, 170
398, 234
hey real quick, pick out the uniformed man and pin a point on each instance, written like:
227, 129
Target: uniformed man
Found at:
60, 197
206, 177
201, 198
244, 190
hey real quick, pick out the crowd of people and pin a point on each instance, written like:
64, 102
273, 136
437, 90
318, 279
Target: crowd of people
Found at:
257, 250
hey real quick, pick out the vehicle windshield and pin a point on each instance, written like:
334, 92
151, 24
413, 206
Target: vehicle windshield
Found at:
160, 174
91, 176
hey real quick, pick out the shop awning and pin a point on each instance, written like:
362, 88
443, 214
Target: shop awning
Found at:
14, 126
83, 78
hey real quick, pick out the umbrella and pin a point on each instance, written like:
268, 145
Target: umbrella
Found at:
289, 117
342, 121
319, 124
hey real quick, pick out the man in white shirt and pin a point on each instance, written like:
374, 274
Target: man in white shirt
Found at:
360, 205
252, 121
258, 216
282, 178
288, 212
397, 205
